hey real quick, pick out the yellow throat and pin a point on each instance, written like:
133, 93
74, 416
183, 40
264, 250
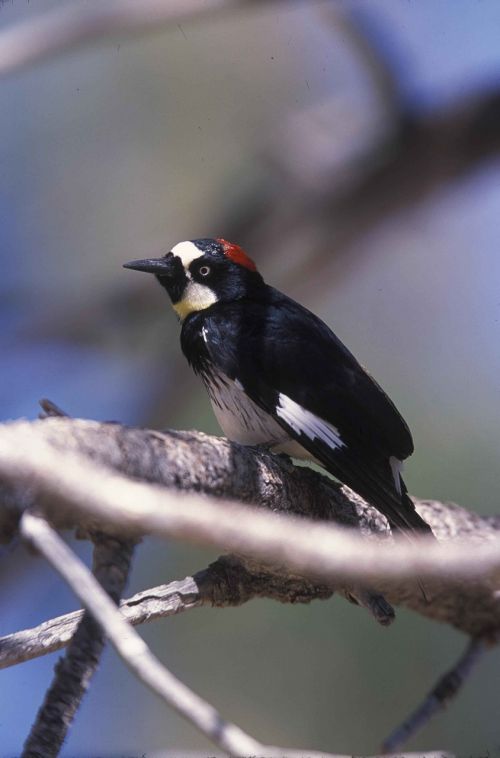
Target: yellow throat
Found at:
196, 297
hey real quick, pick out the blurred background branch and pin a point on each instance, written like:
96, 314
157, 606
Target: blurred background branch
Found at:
443, 692
130, 647
73, 25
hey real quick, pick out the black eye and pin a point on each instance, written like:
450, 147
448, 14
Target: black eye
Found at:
204, 270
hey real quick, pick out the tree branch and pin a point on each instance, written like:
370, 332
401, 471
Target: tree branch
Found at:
42, 457
330, 186
225, 583
55, 462
127, 643
74, 671
447, 688
137, 655
53, 635
59, 30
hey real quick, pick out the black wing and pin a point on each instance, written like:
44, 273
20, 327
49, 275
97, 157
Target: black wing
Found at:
279, 345
296, 369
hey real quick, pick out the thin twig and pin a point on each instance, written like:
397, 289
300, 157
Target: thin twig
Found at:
62, 29
227, 582
131, 648
51, 410
438, 698
75, 669
53, 635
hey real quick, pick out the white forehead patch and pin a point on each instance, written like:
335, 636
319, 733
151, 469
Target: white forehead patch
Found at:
187, 252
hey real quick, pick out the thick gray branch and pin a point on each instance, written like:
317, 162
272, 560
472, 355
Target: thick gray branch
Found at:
36, 457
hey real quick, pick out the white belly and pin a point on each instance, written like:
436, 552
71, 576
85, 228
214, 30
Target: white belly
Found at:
244, 422
239, 417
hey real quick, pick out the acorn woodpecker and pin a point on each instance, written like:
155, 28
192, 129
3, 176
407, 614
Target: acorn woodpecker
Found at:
277, 376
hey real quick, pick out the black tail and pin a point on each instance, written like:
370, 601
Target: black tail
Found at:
405, 518
377, 485
410, 523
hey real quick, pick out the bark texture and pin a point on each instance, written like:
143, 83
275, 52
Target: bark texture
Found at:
195, 462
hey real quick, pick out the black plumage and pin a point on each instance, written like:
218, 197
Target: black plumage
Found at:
254, 342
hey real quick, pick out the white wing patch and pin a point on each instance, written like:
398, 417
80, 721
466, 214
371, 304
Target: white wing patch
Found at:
396, 468
187, 252
305, 422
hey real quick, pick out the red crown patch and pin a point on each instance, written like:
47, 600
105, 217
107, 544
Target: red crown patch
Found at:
237, 254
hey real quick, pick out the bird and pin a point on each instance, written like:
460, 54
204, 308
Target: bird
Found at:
277, 376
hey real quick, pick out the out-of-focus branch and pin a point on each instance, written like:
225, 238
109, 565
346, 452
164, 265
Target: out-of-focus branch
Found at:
40, 457
75, 25
48, 462
403, 166
214, 584
131, 648
73, 672
366, 34
334, 176
136, 654
226, 583
446, 689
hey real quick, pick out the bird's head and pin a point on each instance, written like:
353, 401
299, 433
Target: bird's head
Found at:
199, 273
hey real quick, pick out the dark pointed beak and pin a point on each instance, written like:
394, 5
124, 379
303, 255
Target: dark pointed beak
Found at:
160, 266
